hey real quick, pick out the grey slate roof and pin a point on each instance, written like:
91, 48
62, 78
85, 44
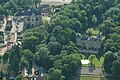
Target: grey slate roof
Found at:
1, 17
29, 12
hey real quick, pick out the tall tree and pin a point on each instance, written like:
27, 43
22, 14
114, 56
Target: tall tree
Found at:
55, 74
108, 62
43, 59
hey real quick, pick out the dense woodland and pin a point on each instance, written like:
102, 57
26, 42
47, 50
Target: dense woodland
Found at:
53, 45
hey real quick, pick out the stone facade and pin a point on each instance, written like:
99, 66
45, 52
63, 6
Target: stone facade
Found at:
30, 17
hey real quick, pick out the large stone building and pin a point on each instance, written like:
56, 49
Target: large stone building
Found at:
30, 17
89, 45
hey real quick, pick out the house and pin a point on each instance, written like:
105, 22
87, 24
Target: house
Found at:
89, 45
30, 17
37, 73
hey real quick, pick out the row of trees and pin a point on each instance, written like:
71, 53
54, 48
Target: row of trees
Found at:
8, 7
112, 64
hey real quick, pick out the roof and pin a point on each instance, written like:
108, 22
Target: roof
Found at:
79, 36
29, 12
55, 2
20, 13
99, 36
85, 61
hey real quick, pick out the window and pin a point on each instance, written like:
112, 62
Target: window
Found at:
28, 19
32, 25
32, 19
37, 19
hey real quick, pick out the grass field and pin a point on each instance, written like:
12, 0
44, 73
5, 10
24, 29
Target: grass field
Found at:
89, 78
45, 18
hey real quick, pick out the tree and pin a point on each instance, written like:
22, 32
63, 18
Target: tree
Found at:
116, 66
6, 57
77, 25
54, 47
23, 63
43, 59
25, 3
108, 62
94, 20
14, 59
57, 30
91, 58
52, 39
116, 70
55, 74
3, 1
29, 43
28, 55
69, 65
66, 35
20, 77
112, 44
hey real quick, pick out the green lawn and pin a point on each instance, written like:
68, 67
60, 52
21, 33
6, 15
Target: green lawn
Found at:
97, 62
45, 18
89, 78
94, 31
